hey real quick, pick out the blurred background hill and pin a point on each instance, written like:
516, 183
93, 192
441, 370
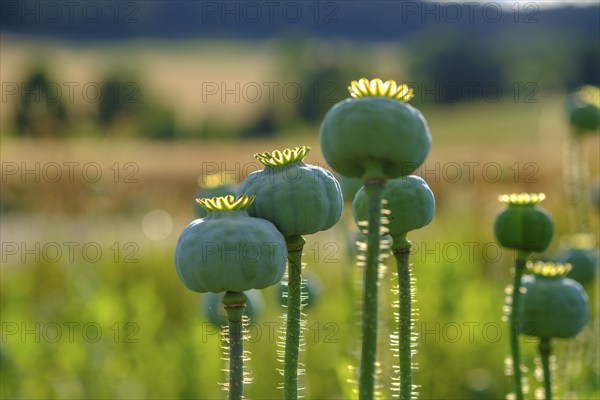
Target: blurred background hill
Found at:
379, 20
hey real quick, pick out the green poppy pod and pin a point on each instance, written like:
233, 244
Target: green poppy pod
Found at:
213, 310
375, 134
212, 186
583, 108
409, 201
581, 254
228, 250
522, 225
298, 198
552, 306
311, 290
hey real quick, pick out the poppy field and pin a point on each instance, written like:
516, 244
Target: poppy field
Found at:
174, 226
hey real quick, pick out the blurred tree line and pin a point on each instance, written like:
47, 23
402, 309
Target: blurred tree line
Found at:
446, 64
41, 110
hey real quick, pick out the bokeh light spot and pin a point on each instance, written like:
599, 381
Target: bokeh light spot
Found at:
157, 224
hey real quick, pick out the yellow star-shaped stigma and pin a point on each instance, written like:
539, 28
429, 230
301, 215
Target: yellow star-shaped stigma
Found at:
548, 269
279, 158
376, 87
226, 203
521, 198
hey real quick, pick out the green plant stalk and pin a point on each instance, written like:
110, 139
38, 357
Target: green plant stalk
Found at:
404, 321
514, 323
576, 178
366, 387
235, 303
295, 244
545, 348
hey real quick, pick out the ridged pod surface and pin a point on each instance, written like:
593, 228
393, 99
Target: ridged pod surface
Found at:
522, 225
230, 251
409, 200
298, 198
552, 306
376, 131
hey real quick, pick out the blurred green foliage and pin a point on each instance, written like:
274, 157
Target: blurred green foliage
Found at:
130, 330
120, 96
119, 111
40, 112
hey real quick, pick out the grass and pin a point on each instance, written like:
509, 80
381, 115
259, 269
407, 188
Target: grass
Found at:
461, 331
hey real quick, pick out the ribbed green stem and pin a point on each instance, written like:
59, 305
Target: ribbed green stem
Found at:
235, 303
545, 348
514, 325
366, 388
295, 244
404, 321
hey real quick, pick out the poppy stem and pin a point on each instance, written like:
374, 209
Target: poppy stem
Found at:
295, 244
235, 303
366, 389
